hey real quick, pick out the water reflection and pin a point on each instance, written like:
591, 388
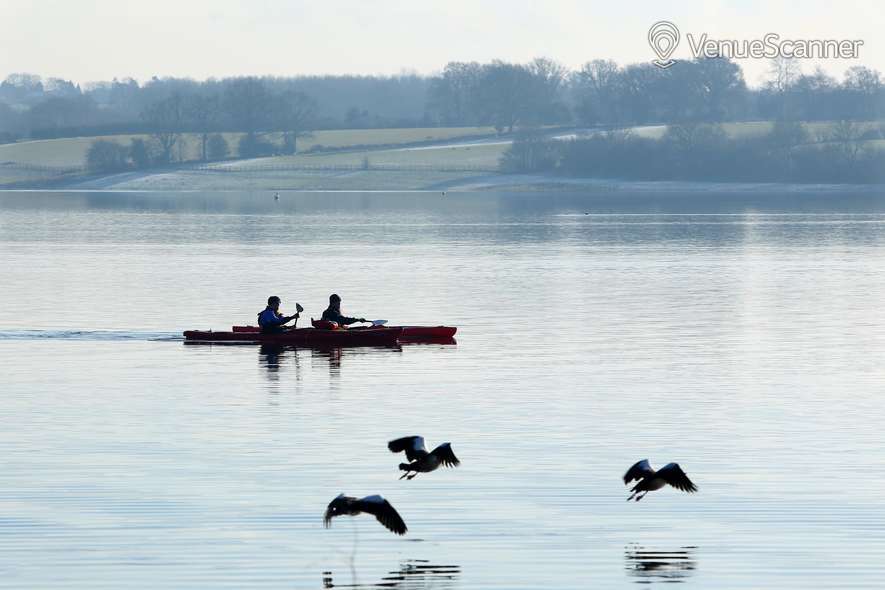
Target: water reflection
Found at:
413, 573
651, 565
432, 342
271, 357
274, 357
335, 358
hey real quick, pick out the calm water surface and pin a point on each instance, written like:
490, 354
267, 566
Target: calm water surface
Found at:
744, 339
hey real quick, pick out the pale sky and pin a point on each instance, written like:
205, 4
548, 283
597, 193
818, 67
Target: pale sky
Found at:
88, 40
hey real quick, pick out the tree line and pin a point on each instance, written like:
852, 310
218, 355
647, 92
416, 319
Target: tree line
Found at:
787, 152
504, 95
245, 104
31, 107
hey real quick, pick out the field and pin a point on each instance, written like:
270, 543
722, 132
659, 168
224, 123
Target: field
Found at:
346, 159
480, 155
69, 152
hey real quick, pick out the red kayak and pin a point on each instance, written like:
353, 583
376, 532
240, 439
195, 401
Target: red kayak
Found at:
301, 336
426, 333
408, 334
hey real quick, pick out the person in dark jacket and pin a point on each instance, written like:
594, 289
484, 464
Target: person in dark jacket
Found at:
270, 320
333, 313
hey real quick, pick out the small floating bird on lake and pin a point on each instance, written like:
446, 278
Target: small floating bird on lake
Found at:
374, 505
420, 460
650, 480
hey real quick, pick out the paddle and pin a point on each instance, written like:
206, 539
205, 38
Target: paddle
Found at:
298, 310
377, 323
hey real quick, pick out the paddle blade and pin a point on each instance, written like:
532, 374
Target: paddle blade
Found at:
378, 322
298, 307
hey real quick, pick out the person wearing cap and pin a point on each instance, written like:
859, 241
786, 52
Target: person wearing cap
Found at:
270, 320
333, 313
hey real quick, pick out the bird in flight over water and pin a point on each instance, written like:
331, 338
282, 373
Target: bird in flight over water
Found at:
650, 480
377, 506
420, 461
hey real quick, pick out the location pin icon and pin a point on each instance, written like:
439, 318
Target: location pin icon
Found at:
663, 37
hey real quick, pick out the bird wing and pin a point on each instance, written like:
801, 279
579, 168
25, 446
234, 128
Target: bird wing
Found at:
446, 456
640, 470
384, 513
412, 445
672, 473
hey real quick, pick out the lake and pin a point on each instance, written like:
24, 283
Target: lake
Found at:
741, 335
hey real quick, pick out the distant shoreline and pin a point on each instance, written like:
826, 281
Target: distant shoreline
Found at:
438, 159
171, 181
549, 182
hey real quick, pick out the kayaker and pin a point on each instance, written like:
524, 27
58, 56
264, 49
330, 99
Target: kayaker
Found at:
333, 313
270, 320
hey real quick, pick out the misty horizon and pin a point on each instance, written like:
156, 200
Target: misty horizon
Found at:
225, 39
753, 84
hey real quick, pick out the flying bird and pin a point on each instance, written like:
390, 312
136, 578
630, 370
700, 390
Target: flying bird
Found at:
650, 480
374, 505
420, 461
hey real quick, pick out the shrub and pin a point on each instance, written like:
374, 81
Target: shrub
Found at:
253, 146
530, 153
107, 156
704, 153
787, 134
217, 148
139, 153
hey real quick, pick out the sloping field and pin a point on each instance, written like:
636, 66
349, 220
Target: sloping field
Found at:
460, 156
72, 151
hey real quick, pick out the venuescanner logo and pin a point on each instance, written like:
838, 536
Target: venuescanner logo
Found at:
663, 37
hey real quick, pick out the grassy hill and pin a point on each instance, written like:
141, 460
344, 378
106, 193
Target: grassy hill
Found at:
71, 151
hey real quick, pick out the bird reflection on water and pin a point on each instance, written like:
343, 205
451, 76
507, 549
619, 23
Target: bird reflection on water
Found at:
413, 573
650, 565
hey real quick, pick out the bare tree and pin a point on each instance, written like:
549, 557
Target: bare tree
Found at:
783, 72
247, 103
545, 102
845, 136
202, 114
784, 138
866, 86
595, 84
453, 96
294, 113
165, 119
505, 94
